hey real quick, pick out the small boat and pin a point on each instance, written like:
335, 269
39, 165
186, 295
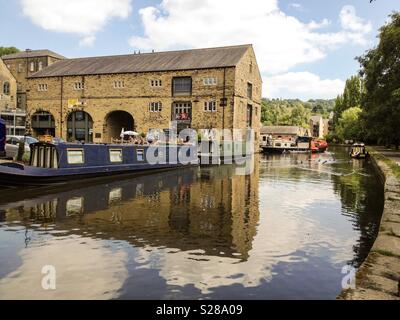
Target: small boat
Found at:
358, 151
318, 146
60, 163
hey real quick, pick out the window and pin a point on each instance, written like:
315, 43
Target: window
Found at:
32, 66
210, 106
6, 88
156, 83
210, 81
249, 90
79, 86
182, 111
119, 84
182, 86
155, 107
249, 119
42, 87
140, 155
20, 68
75, 156
115, 155
40, 66
251, 67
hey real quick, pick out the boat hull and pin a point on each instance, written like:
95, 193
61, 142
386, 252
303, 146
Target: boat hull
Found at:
28, 176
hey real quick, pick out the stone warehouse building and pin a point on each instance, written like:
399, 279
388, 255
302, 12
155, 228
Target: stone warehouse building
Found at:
24, 64
92, 99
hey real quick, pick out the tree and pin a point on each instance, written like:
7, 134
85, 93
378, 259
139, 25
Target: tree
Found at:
380, 68
7, 50
299, 116
349, 126
352, 96
293, 111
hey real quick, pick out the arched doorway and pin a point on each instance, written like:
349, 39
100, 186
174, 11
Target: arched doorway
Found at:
116, 121
80, 127
42, 123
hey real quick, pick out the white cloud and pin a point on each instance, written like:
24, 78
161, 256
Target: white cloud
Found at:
81, 17
304, 85
281, 41
350, 21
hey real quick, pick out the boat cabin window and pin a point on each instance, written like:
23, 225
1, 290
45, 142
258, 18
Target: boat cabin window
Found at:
277, 145
75, 156
116, 155
140, 155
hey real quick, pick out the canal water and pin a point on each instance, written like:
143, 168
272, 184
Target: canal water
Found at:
283, 230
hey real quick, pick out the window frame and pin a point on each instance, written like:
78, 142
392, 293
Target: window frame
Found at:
155, 107
210, 81
209, 103
119, 84
116, 150
42, 87
79, 86
181, 92
76, 149
143, 155
156, 83
6, 88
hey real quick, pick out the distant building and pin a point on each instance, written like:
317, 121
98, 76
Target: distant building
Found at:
15, 118
8, 88
24, 64
317, 127
288, 133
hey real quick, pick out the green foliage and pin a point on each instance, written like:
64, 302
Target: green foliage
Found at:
293, 111
380, 68
352, 97
349, 125
7, 50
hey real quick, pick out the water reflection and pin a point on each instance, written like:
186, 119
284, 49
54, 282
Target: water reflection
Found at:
283, 231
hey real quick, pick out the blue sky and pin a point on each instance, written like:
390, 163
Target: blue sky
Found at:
305, 48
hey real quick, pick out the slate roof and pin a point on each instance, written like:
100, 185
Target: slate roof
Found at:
32, 54
147, 62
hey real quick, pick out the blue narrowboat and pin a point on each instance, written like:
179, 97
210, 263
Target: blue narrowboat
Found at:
2, 138
64, 162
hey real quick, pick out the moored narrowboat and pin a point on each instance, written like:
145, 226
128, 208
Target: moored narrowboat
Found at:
58, 163
358, 151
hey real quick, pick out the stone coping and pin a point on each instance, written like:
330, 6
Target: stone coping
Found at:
378, 278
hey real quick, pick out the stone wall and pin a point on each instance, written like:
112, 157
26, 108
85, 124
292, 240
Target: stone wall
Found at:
378, 278
7, 100
20, 69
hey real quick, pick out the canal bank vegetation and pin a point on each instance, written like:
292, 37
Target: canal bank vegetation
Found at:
389, 162
368, 110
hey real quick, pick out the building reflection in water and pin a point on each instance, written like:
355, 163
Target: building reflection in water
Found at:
208, 211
